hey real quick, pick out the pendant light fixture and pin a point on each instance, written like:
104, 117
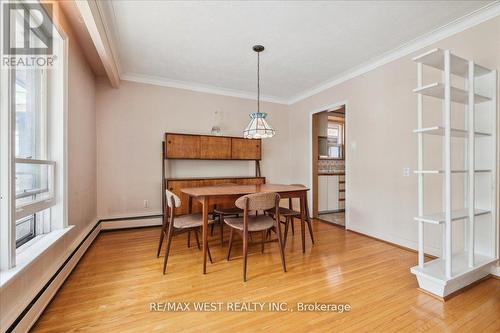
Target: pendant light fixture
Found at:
258, 128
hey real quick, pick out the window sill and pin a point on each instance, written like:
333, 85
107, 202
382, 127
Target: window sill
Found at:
30, 252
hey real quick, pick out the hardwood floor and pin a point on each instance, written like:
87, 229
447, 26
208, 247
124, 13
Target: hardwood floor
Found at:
112, 287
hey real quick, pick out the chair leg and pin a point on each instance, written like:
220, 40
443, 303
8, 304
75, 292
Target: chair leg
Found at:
209, 254
309, 226
262, 241
167, 251
221, 231
161, 242
230, 243
189, 238
282, 252
197, 240
287, 225
212, 230
245, 255
293, 229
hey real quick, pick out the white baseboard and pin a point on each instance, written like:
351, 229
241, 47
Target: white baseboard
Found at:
434, 251
131, 223
31, 316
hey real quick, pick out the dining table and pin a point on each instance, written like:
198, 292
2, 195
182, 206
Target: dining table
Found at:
223, 194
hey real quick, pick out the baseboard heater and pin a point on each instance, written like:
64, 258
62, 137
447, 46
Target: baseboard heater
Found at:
34, 309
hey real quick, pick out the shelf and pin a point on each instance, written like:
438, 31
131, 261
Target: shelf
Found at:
439, 130
435, 268
431, 172
456, 215
459, 66
457, 95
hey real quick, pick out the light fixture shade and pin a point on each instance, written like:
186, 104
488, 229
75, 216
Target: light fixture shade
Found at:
258, 128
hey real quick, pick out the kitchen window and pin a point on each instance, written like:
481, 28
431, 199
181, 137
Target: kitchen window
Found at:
335, 140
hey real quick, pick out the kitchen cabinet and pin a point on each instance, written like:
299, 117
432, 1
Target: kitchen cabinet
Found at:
323, 124
328, 193
333, 192
322, 193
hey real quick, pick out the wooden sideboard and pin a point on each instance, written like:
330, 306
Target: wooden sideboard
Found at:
207, 147
176, 184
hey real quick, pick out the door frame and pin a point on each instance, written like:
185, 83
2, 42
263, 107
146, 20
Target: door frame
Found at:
312, 174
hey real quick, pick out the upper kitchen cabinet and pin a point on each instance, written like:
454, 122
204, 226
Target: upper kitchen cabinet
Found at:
246, 149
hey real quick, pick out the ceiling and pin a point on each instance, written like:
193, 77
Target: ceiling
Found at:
209, 44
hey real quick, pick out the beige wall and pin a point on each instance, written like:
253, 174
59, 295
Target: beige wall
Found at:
380, 117
381, 114
131, 122
82, 194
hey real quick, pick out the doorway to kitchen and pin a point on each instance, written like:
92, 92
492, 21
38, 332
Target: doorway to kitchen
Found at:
328, 165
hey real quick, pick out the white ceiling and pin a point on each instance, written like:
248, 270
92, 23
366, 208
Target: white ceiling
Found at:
308, 43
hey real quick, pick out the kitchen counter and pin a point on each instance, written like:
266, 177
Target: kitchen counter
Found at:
333, 173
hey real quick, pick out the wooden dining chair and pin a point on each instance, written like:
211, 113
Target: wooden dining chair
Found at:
220, 213
255, 223
290, 214
173, 225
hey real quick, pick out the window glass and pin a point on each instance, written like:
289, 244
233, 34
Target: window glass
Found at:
29, 113
25, 229
31, 180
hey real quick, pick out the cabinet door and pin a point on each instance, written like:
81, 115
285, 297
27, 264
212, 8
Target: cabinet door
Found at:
333, 192
322, 193
182, 146
245, 149
215, 148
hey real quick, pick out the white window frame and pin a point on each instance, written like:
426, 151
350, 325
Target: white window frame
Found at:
41, 204
58, 100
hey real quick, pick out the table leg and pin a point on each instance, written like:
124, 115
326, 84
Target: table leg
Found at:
302, 217
205, 233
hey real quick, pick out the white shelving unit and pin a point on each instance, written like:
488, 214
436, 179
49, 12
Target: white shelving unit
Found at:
455, 269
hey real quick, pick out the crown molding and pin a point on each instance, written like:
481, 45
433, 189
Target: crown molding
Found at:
470, 20
164, 82
465, 22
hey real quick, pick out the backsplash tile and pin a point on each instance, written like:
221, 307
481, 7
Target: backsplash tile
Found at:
325, 166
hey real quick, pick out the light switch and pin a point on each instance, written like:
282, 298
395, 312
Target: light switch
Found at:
406, 172
353, 145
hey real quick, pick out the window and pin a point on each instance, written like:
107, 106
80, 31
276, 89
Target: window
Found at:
335, 140
33, 150
34, 173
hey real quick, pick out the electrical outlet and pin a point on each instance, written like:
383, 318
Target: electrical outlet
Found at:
406, 172
146, 204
